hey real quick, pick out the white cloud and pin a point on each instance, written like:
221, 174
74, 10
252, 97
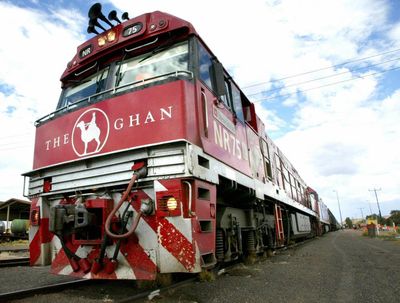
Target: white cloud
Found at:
38, 47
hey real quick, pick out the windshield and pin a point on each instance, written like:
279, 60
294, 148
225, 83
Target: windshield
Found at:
143, 69
85, 88
153, 66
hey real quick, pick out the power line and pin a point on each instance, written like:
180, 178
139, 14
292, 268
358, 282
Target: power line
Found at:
15, 147
323, 68
326, 85
18, 135
322, 78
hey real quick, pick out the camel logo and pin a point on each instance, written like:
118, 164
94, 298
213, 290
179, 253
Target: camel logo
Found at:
90, 132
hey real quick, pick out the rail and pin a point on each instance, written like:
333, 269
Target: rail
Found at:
19, 294
113, 90
14, 262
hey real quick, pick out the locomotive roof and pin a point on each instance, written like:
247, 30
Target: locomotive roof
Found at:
125, 35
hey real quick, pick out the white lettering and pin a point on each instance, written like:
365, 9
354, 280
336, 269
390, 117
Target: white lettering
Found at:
86, 52
238, 149
118, 124
134, 121
163, 111
245, 152
233, 144
149, 118
66, 139
218, 134
226, 140
56, 142
48, 144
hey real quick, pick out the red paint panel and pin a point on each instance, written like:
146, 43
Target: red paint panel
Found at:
45, 235
61, 260
169, 236
34, 249
177, 244
42, 235
141, 264
225, 138
204, 205
144, 117
34, 244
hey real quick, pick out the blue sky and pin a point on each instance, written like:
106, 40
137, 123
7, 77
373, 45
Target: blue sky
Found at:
342, 137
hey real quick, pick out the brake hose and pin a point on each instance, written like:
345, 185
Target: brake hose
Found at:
141, 172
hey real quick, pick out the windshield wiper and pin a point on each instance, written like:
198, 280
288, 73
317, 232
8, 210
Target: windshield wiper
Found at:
98, 80
168, 44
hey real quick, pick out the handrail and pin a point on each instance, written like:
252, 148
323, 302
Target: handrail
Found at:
205, 108
113, 90
176, 73
143, 45
84, 71
190, 196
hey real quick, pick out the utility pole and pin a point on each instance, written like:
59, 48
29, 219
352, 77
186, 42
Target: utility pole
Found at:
362, 214
370, 209
377, 201
340, 212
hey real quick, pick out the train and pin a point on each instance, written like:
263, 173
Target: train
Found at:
155, 161
18, 230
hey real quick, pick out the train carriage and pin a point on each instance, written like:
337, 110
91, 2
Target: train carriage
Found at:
156, 162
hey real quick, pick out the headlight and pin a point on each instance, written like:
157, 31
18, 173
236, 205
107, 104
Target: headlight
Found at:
172, 204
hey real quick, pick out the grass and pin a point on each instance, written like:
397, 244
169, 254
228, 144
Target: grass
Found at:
385, 235
15, 242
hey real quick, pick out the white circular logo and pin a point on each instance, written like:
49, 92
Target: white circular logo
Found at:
90, 132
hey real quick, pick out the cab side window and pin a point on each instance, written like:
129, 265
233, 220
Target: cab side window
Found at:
237, 103
205, 63
232, 98
227, 99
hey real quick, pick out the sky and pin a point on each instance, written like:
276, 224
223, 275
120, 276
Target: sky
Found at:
324, 76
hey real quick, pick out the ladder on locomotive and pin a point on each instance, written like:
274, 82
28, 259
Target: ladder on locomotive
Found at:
280, 234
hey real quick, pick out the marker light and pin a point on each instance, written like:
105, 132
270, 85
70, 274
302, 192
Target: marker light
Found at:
172, 204
111, 36
35, 216
102, 40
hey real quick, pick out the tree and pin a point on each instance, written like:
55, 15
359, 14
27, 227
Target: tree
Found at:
376, 217
349, 223
395, 216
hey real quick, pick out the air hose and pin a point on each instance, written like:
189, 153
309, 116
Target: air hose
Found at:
75, 261
112, 265
140, 171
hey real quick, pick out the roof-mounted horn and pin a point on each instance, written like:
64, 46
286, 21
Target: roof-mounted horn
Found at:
112, 16
94, 14
125, 16
92, 30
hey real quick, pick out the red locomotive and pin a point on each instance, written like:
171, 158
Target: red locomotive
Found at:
156, 162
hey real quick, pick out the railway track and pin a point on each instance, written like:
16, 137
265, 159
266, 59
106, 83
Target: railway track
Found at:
19, 294
132, 295
150, 294
53, 288
14, 262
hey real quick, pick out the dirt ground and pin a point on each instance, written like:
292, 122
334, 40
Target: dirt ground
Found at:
340, 267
